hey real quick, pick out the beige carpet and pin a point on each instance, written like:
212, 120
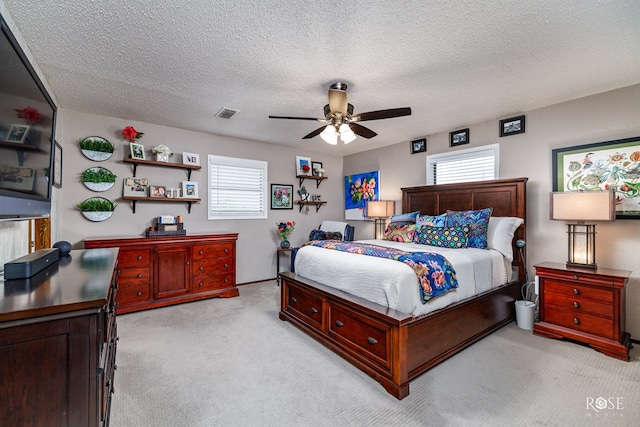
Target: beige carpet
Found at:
232, 362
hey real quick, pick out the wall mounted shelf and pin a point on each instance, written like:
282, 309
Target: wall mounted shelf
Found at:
134, 199
302, 203
21, 149
318, 179
137, 162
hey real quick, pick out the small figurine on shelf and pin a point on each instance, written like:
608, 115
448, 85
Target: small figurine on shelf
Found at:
304, 195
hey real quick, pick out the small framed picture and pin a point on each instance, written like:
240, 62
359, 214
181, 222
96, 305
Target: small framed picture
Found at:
303, 165
192, 159
459, 137
316, 167
512, 126
419, 146
57, 166
136, 187
22, 179
17, 134
189, 190
137, 151
157, 191
281, 196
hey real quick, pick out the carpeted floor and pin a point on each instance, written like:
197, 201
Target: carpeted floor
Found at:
232, 362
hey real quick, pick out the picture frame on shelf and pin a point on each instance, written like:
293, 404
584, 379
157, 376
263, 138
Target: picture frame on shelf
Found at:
315, 167
57, 165
22, 179
191, 159
303, 166
419, 146
459, 137
581, 167
17, 134
157, 191
189, 190
512, 126
136, 187
137, 151
281, 196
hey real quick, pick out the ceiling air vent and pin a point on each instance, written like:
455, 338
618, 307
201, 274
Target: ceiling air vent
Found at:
226, 113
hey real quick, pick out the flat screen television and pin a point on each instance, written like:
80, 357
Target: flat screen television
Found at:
27, 134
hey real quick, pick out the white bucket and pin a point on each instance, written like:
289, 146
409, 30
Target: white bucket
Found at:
525, 314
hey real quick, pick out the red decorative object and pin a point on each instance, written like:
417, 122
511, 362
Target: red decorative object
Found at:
305, 168
130, 133
29, 114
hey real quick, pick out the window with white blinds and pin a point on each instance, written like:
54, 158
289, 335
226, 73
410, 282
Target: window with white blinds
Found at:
473, 164
237, 188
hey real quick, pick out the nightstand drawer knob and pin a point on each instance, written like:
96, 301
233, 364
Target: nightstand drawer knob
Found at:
339, 324
139, 257
576, 321
294, 299
575, 277
372, 341
139, 293
201, 252
314, 310
576, 304
576, 291
139, 275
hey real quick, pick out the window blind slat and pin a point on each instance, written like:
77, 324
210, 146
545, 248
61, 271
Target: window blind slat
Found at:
476, 164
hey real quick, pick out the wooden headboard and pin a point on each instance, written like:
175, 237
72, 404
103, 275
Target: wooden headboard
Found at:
507, 197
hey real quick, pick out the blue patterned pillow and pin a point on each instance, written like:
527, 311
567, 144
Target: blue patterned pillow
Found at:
431, 220
325, 235
405, 218
399, 233
444, 237
477, 221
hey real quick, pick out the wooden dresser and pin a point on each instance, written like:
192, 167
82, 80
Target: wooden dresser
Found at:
161, 271
58, 338
584, 305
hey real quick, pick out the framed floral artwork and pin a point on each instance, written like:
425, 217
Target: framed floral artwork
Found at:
281, 196
602, 166
359, 188
303, 165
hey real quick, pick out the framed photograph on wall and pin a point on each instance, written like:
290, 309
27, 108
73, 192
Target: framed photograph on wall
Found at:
57, 166
512, 126
191, 159
17, 134
281, 196
459, 137
137, 151
303, 165
316, 167
189, 190
419, 145
602, 166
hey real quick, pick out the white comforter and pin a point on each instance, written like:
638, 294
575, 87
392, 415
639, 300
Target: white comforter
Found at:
394, 284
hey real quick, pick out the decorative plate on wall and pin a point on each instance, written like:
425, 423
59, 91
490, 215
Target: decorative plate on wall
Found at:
96, 148
98, 179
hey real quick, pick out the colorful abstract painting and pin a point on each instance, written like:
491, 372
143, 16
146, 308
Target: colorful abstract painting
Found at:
357, 189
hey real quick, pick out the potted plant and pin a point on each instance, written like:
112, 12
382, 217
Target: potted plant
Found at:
96, 208
162, 153
98, 179
96, 148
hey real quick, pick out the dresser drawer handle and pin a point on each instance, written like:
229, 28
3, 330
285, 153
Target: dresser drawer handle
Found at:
314, 310
226, 250
576, 291
200, 284
139, 275
576, 304
226, 280
139, 257
339, 324
294, 299
226, 265
576, 321
200, 252
201, 268
372, 341
187, 263
575, 277
139, 293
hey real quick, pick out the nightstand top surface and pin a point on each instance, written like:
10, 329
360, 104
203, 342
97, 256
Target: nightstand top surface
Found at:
599, 271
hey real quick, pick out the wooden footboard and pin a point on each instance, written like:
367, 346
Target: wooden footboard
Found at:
390, 346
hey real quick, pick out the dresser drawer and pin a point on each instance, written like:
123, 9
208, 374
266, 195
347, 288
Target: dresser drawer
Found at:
365, 334
578, 304
209, 283
134, 276
132, 294
304, 306
213, 266
580, 322
578, 290
134, 258
211, 251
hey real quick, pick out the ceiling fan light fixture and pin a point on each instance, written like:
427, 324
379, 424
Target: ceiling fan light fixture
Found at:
329, 135
346, 134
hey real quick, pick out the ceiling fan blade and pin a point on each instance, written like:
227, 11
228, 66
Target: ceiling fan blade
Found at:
314, 133
362, 131
297, 118
383, 114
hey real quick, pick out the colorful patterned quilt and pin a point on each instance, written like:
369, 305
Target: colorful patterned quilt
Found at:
436, 276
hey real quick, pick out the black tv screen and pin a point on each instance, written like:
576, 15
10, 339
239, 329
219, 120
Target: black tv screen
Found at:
27, 134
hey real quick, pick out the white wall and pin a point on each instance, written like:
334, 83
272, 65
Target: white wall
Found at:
257, 240
603, 117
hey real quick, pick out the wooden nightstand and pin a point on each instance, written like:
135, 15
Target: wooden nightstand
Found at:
584, 305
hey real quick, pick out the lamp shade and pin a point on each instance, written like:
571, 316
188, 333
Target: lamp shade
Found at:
583, 206
379, 208
329, 135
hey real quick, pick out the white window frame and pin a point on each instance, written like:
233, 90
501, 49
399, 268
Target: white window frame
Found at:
469, 153
213, 160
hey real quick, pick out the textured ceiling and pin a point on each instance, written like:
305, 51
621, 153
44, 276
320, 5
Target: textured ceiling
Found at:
455, 63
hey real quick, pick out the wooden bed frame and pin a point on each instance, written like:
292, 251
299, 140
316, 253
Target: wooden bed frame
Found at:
394, 347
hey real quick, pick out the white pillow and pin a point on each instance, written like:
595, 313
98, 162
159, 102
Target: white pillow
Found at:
500, 234
334, 226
